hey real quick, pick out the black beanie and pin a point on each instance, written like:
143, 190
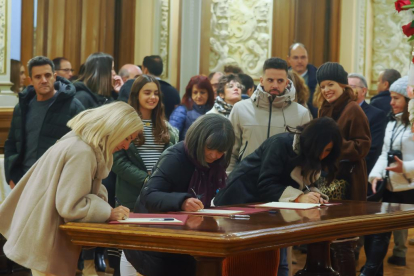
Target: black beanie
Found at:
332, 71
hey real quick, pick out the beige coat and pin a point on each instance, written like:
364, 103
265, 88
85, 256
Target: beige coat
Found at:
63, 185
254, 117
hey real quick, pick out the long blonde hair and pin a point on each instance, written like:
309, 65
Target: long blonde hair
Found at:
106, 126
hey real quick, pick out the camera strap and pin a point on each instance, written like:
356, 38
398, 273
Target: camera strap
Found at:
396, 132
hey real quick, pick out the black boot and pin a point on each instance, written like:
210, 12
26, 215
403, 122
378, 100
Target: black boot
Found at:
100, 260
376, 247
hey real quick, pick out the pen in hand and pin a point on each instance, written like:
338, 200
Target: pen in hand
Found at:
120, 204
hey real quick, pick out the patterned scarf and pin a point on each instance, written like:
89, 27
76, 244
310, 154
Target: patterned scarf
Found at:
205, 182
222, 107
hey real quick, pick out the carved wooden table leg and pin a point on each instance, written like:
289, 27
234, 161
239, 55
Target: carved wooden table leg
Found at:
209, 266
318, 261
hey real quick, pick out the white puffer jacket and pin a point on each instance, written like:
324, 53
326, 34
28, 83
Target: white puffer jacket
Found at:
402, 141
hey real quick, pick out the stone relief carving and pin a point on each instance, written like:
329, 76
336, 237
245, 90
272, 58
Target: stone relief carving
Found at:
3, 36
240, 34
390, 46
362, 32
164, 35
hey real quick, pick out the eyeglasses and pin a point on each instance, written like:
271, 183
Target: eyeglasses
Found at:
67, 70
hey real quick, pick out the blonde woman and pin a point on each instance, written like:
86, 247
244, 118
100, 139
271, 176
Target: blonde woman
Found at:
65, 185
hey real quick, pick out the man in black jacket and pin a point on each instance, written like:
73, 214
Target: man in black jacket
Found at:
376, 118
152, 65
299, 62
39, 119
383, 99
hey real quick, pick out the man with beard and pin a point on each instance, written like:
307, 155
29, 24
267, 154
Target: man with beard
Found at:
270, 109
268, 112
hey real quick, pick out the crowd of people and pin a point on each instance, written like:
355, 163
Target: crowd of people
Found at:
78, 142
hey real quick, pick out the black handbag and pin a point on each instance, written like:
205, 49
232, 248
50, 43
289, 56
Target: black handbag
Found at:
377, 197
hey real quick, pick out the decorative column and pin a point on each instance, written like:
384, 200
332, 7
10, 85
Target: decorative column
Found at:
7, 97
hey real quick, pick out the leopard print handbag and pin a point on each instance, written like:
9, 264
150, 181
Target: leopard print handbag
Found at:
337, 189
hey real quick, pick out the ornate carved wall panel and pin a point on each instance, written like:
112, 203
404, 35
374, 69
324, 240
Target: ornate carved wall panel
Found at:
3, 36
241, 33
390, 46
164, 35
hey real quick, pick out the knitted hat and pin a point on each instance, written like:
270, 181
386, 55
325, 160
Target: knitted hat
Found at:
332, 71
400, 86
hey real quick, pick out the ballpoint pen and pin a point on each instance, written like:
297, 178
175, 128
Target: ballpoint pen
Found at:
195, 194
120, 204
307, 187
162, 219
240, 216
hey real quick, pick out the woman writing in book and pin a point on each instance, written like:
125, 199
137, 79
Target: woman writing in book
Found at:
185, 178
285, 165
134, 165
65, 185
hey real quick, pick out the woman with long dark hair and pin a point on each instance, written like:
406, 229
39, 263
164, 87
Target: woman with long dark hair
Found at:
134, 165
194, 166
98, 84
284, 166
197, 100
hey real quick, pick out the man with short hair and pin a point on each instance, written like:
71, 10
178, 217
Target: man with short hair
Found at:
129, 72
39, 119
153, 65
298, 60
214, 80
270, 109
383, 99
268, 112
376, 118
63, 67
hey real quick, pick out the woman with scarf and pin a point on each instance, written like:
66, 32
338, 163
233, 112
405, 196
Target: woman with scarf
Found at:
229, 93
185, 178
339, 104
197, 100
397, 185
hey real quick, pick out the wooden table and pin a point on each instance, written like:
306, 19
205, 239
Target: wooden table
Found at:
211, 239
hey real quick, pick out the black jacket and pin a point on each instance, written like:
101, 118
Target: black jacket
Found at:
263, 175
165, 191
125, 90
312, 82
167, 187
88, 98
382, 101
60, 111
377, 124
170, 97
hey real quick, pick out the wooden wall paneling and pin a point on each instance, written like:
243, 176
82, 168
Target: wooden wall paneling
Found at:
205, 38
72, 33
41, 28
283, 27
27, 35
334, 30
90, 28
107, 27
6, 115
55, 28
124, 33
319, 43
